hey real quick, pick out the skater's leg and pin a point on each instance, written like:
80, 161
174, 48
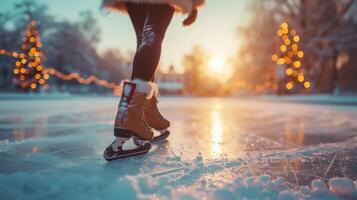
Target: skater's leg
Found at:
130, 122
137, 14
148, 55
149, 51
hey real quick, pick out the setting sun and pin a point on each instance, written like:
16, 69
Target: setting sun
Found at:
219, 68
216, 64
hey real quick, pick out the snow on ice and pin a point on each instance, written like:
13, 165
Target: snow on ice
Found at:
43, 186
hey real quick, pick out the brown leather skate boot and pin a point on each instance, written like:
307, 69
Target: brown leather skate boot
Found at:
154, 118
130, 124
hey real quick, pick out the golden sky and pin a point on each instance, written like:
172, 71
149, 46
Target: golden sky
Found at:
215, 29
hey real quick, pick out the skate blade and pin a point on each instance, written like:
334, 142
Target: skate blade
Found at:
128, 153
163, 136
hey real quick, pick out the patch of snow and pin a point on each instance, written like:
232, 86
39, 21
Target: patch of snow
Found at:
41, 186
342, 186
318, 185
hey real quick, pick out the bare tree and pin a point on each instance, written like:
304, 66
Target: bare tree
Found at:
327, 31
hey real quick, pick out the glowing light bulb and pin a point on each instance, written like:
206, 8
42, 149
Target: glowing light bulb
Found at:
297, 64
287, 42
301, 78
288, 71
294, 47
284, 25
42, 81
301, 54
289, 86
281, 61
279, 33
274, 57
283, 48
33, 85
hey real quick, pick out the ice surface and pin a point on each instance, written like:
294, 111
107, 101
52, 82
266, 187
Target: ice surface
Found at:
316, 99
218, 149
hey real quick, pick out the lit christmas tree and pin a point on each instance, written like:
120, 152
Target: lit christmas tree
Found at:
293, 77
28, 71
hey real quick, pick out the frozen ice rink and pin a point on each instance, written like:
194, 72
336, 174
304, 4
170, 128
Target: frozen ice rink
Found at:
219, 148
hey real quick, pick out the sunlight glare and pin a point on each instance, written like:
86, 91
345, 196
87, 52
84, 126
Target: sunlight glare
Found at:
216, 64
219, 69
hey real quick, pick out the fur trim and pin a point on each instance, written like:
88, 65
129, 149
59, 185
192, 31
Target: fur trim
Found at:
184, 6
156, 89
145, 87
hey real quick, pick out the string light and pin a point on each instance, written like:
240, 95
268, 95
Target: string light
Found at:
289, 58
76, 76
32, 57
28, 71
80, 79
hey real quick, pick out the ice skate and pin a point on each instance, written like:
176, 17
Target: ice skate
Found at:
132, 133
155, 119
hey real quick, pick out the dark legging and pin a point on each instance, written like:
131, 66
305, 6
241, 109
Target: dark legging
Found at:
150, 22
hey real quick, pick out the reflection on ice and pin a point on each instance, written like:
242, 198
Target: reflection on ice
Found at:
34, 149
295, 136
22, 128
216, 132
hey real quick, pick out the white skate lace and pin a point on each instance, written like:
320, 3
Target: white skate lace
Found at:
128, 143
